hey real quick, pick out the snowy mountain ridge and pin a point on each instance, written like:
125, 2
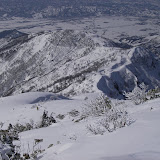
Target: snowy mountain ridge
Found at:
73, 62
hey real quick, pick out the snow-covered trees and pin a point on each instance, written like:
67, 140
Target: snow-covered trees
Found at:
7, 149
138, 95
153, 93
97, 107
108, 116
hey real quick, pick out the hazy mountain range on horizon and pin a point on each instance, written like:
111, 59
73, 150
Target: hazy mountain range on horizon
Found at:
78, 8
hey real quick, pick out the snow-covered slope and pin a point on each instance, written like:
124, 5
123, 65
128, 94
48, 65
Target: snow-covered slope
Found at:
72, 140
72, 62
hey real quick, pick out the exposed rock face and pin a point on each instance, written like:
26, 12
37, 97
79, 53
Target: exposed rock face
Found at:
71, 62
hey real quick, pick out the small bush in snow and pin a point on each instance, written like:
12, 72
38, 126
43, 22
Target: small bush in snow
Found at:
46, 120
60, 116
97, 107
74, 113
1, 124
50, 145
95, 129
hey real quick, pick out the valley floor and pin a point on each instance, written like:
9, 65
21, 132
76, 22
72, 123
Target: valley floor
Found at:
70, 140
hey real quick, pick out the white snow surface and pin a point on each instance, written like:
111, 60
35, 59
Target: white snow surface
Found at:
72, 141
